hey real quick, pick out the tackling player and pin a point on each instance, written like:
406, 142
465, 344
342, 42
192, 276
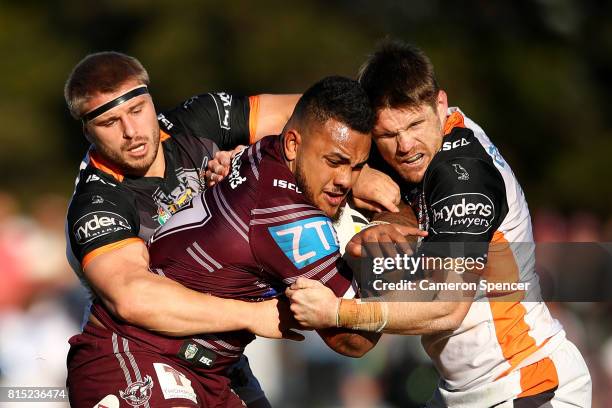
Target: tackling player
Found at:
239, 240
141, 169
497, 351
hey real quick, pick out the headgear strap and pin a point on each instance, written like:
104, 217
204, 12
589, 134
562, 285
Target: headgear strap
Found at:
115, 102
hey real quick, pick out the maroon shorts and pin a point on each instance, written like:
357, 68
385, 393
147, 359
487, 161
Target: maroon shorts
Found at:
107, 370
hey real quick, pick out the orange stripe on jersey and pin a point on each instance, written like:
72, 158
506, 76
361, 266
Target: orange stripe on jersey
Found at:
502, 268
511, 329
538, 377
163, 136
253, 115
101, 164
454, 120
107, 248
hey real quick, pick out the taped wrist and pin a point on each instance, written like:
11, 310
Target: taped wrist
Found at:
357, 315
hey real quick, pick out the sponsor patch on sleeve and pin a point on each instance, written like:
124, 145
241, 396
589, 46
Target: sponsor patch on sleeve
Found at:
466, 213
173, 383
306, 241
97, 224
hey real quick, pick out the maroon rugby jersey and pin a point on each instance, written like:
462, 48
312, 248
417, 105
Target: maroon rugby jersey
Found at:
247, 238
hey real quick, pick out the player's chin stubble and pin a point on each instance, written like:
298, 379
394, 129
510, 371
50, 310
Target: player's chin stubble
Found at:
300, 181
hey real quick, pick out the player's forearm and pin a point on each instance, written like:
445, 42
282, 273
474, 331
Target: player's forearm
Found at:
414, 318
162, 305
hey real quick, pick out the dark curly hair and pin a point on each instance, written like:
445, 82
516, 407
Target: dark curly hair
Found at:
337, 98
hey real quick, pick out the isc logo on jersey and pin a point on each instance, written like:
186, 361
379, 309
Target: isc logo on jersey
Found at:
468, 213
306, 241
455, 144
97, 224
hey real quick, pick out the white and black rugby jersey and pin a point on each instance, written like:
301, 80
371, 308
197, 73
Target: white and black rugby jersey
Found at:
109, 209
470, 196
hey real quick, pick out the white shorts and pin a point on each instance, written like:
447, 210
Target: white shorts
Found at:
573, 389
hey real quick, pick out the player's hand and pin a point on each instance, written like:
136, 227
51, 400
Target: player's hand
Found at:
313, 304
384, 240
274, 320
218, 168
375, 191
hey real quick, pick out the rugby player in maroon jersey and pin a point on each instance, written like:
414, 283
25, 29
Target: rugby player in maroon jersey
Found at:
195, 369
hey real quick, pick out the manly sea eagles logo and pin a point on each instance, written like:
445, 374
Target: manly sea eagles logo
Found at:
138, 393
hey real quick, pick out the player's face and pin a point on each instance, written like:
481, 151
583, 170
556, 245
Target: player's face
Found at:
408, 138
328, 163
128, 134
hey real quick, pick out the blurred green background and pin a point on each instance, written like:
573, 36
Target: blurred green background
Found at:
534, 74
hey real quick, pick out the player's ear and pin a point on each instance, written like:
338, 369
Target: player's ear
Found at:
442, 106
291, 142
86, 133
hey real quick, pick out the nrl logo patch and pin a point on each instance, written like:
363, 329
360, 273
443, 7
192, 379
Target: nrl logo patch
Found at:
138, 393
191, 351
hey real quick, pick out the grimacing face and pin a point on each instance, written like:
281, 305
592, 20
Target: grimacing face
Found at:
128, 134
328, 163
409, 138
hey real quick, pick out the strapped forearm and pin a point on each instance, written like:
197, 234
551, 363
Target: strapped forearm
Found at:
370, 316
400, 317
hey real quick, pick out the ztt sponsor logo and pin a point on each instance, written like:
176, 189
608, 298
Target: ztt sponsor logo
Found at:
306, 241
97, 224
469, 213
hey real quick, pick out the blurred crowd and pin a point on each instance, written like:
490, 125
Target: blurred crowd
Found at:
42, 304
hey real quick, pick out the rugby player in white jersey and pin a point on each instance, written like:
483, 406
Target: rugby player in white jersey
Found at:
503, 349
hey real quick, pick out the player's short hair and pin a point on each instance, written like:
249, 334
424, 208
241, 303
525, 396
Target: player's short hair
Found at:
399, 75
101, 72
337, 98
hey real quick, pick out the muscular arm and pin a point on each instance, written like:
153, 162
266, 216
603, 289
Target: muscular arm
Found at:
315, 306
417, 318
123, 282
273, 113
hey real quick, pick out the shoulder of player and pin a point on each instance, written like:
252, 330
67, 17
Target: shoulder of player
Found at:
96, 187
206, 105
276, 180
462, 173
93, 179
460, 142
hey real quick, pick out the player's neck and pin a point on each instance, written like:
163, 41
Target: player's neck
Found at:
158, 167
